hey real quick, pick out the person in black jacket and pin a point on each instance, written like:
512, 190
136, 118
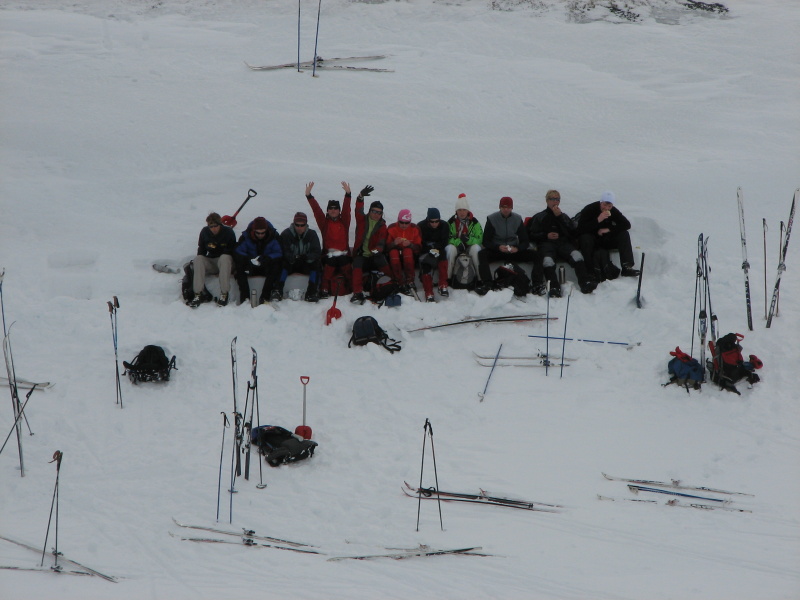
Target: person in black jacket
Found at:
602, 227
258, 253
214, 256
435, 237
552, 231
302, 253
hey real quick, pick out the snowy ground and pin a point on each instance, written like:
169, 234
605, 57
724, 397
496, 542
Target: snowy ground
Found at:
125, 123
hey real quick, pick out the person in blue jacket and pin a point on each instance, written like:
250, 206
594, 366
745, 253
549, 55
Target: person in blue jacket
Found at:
258, 253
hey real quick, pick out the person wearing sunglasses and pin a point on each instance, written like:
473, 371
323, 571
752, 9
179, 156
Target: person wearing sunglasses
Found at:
214, 257
301, 254
370, 243
435, 236
258, 254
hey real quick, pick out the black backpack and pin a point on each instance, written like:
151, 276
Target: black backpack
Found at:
366, 330
381, 288
280, 446
151, 364
511, 275
727, 365
187, 285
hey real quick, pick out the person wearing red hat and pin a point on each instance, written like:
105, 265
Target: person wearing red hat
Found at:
403, 243
505, 239
301, 254
258, 254
334, 227
214, 256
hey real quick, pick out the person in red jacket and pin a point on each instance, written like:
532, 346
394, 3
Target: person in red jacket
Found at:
334, 226
403, 243
370, 243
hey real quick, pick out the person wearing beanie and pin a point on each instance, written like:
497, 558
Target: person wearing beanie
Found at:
602, 227
435, 237
370, 243
505, 239
403, 244
215, 247
552, 231
334, 227
465, 236
258, 254
302, 253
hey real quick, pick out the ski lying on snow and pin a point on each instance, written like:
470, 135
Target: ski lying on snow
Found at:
477, 500
244, 541
310, 63
640, 488
26, 384
421, 551
506, 319
490, 362
244, 533
62, 558
539, 356
59, 570
677, 502
431, 491
675, 484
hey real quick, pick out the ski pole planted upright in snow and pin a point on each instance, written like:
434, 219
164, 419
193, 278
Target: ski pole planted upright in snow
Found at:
639, 299
316, 40
113, 306
225, 425
766, 304
428, 428
564, 341
57, 456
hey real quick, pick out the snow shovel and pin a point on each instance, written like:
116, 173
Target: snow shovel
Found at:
304, 430
333, 312
230, 221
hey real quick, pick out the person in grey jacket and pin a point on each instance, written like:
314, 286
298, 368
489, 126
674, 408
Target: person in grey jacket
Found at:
505, 239
302, 253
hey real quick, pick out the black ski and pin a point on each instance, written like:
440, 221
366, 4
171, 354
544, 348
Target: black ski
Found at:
310, 63
505, 319
675, 484
481, 496
745, 264
422, 551
477, 501
782, 260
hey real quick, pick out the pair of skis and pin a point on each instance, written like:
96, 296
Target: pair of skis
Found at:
79, 569
480, 498
781, 260
325, 63
539, 360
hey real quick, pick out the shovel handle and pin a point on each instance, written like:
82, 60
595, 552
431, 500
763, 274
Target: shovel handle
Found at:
304, 379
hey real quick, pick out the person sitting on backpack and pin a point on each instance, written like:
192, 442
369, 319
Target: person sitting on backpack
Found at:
301, 254
505, 239
403, 243
466, 236
602, 227
552, 230
370, 242
334, 227
258, 253
435, 236
214, 256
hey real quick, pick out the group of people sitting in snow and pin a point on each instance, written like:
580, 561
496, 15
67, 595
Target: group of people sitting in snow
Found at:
436, 247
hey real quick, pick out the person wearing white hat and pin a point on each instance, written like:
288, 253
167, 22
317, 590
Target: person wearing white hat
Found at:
466, 237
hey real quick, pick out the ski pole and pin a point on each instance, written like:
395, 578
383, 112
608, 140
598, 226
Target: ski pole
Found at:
780, 260
564, 341
488, 379
57, 456
765, 228
112, 315
225, 424
428, 432
298, 36
15, 403
547, 334
19, 415
316, 39
2, 304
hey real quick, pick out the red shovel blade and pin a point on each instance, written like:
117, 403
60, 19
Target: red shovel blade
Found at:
229, 221
333, 313
304, 431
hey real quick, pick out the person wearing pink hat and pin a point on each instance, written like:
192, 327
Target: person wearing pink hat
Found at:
403, 244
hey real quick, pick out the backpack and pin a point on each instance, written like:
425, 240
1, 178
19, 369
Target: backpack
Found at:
727, 365
684, 370
151, 364
464, 274
381, 288
511, 275
280, 446
366, 330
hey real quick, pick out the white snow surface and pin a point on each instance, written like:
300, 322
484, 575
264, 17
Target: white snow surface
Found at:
125, 123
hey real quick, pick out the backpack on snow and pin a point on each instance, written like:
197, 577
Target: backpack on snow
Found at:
727, 365
684, 370
366, 330
187, 285
381, 288
280, 446
151, 364
464, 274
511, 275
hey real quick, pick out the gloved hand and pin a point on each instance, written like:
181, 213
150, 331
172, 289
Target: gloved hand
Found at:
256, 262
434, 252
367, 191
